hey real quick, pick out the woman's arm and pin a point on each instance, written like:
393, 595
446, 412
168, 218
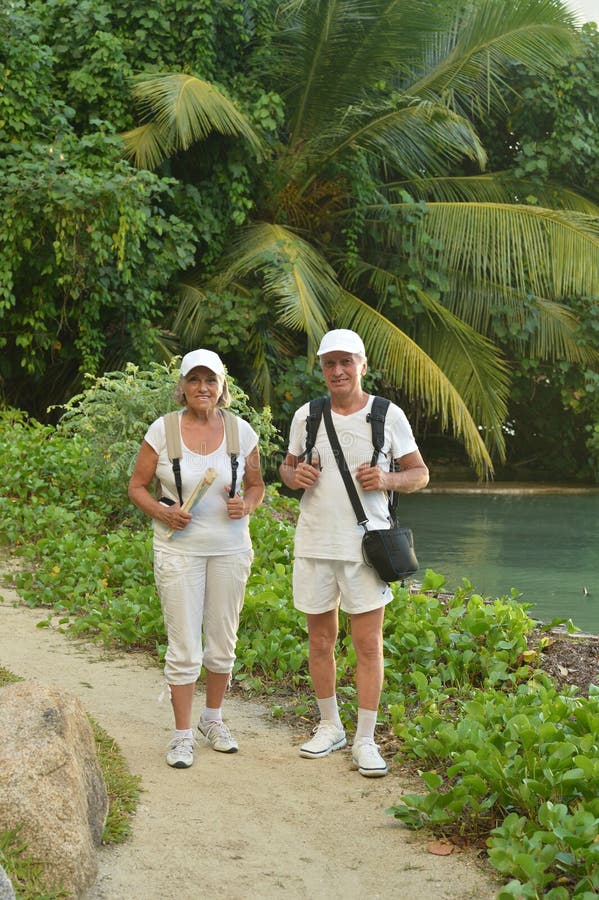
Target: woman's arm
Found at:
139, 493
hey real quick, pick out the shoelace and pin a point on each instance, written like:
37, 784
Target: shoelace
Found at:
181, 744
220, 728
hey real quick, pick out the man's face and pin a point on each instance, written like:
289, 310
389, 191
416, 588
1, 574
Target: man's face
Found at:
342, 372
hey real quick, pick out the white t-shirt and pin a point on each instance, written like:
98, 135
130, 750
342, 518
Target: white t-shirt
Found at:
327, 526
211, 532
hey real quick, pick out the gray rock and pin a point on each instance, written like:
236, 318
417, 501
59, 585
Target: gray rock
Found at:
6, 889
51, 782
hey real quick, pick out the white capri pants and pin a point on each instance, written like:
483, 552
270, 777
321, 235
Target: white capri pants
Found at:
200, 592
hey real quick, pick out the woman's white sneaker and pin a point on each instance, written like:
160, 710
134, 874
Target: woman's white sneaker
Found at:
180, 753
327, 737
367, 759
218, 736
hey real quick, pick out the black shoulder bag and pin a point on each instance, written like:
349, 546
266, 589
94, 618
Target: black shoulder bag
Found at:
390, 551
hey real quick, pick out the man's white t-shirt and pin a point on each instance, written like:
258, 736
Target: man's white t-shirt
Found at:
211, 532
327, 526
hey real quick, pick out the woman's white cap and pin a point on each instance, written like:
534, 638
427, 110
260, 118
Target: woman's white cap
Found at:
207, 358
342, 339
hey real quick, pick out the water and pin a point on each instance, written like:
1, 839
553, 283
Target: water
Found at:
546, 545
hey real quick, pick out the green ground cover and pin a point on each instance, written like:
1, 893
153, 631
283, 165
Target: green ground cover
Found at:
506, 758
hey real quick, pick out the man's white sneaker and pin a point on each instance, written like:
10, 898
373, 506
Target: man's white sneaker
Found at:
218, 736
180, 753
367, 759
327, 737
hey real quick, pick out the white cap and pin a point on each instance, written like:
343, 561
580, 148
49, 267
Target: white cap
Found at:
207, 358
342, 339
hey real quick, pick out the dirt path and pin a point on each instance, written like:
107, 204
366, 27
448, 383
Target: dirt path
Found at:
262, 823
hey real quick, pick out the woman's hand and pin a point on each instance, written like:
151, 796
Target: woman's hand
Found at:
174, 517
236, 506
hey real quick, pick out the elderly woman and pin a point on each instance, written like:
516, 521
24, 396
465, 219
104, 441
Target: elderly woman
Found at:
202, 558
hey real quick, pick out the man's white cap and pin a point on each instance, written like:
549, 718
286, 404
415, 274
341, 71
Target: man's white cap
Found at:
342, 339
206, 358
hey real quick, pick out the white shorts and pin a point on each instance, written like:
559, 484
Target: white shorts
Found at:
320, 585
200, 592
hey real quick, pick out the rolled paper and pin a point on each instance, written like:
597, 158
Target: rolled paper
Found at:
197, 493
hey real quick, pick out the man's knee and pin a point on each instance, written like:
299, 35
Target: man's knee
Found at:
321, 644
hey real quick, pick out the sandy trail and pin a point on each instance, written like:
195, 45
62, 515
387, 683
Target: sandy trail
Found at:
262, 823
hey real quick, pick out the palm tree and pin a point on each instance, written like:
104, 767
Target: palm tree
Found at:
366, 218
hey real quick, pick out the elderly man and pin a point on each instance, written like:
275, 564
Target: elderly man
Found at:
329, 569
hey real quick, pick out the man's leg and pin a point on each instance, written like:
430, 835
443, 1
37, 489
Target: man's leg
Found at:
322, 635
367, 638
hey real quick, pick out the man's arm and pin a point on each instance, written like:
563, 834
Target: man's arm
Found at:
412, 476
297, 475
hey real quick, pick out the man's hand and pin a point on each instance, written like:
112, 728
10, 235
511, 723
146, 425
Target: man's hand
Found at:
306, 476
371, 478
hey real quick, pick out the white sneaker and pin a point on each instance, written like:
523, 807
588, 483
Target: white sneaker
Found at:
180, 754
367, 759
327, 737
218, 736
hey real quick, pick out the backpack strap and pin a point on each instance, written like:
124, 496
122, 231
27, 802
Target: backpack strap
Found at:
313, 420
174, 448
376, 417
232, 444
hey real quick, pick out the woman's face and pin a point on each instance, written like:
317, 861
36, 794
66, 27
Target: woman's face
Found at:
202, 388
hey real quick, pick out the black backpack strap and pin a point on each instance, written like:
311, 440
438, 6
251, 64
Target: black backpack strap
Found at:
376, 417
313, 420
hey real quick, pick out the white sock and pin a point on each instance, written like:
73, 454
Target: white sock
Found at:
183, 732
366, 725
213, 715
329, 710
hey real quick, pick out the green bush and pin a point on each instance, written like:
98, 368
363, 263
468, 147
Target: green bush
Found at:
505, 755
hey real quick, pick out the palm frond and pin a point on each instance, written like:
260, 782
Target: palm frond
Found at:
146, 146
296, 277
416, 137
557, 335
190, 319
495, 187
550, 253
406, 365
336, 50
469, 63
541, 328
187, 109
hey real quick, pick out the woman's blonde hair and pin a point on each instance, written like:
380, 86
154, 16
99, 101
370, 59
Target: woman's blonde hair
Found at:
223, 401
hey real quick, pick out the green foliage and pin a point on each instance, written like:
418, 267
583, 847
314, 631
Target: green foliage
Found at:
528, 757
503, 752
122, 787
87, 256
332, 217
91, 247
551, 137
